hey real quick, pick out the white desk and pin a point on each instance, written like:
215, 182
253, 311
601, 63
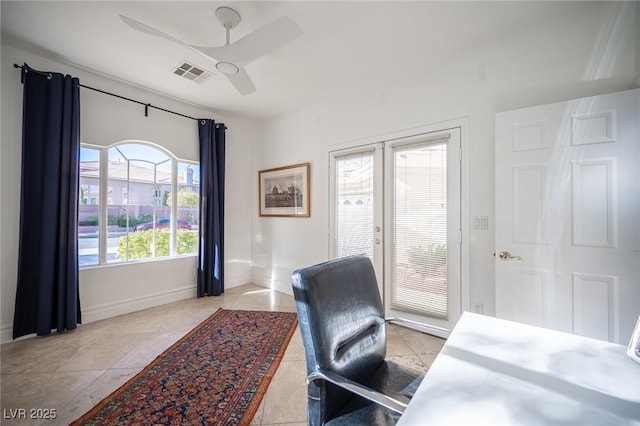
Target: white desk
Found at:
497, 372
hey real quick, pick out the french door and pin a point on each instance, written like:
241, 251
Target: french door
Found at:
398, 202
357, 205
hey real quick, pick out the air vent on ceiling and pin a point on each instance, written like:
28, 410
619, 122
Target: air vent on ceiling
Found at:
191, 72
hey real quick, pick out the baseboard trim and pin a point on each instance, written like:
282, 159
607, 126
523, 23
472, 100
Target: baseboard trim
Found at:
6, 334
269, 282
128, 306
110, 310
236, 282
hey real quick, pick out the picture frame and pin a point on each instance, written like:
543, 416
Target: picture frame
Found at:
284, 191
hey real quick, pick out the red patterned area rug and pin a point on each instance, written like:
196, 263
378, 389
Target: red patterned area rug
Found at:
215, 375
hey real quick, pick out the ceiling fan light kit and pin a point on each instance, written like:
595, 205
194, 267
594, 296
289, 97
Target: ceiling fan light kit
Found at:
227, 68
231, 58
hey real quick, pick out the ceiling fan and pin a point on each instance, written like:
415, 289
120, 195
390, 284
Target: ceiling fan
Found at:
231, 58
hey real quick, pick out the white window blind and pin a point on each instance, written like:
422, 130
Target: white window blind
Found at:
354, 204
419, 247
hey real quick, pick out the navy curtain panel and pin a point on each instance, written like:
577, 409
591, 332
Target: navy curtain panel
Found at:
47, 295
211, 230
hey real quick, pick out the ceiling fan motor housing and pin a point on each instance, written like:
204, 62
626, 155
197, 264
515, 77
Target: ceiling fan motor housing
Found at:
228, 17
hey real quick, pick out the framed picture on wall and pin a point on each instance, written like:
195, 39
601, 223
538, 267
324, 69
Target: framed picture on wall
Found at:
284, 191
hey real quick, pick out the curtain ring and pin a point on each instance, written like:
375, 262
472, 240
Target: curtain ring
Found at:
49, 76
203, 122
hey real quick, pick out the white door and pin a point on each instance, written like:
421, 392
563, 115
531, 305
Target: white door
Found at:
567, 190
356, 204
398, 202
423, 239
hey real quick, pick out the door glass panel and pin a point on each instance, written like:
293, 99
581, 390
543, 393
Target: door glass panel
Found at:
419, 247
354, 204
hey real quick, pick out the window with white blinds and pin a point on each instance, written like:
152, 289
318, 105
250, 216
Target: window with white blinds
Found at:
419, 247
354, 204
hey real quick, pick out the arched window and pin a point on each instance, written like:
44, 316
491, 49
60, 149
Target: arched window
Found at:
137, 216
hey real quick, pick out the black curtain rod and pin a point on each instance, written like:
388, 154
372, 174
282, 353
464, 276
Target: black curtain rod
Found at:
146, 105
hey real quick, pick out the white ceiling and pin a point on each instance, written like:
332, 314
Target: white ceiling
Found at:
346, 46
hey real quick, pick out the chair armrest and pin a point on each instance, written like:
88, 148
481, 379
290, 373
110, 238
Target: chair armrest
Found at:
425, 328
358, 389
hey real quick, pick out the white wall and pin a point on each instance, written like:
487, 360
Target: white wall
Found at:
117, 289
573, 56
580, 55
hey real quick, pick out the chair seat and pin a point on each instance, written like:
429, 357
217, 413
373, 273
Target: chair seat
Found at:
392, 379
369, 415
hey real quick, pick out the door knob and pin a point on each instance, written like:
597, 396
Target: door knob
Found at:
505, 255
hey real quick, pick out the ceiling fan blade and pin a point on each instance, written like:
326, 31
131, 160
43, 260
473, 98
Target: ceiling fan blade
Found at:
137, 25
242, 82
256, 44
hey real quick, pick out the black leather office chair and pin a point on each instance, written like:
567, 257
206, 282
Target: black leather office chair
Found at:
344, 335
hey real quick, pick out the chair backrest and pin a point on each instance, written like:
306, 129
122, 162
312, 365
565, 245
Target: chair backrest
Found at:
342, 325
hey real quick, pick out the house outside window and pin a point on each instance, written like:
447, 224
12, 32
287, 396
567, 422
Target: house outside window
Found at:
137, 219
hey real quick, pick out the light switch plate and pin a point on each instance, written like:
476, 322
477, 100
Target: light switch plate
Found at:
481, 222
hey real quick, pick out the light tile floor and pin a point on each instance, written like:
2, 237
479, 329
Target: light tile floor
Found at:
71, 372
